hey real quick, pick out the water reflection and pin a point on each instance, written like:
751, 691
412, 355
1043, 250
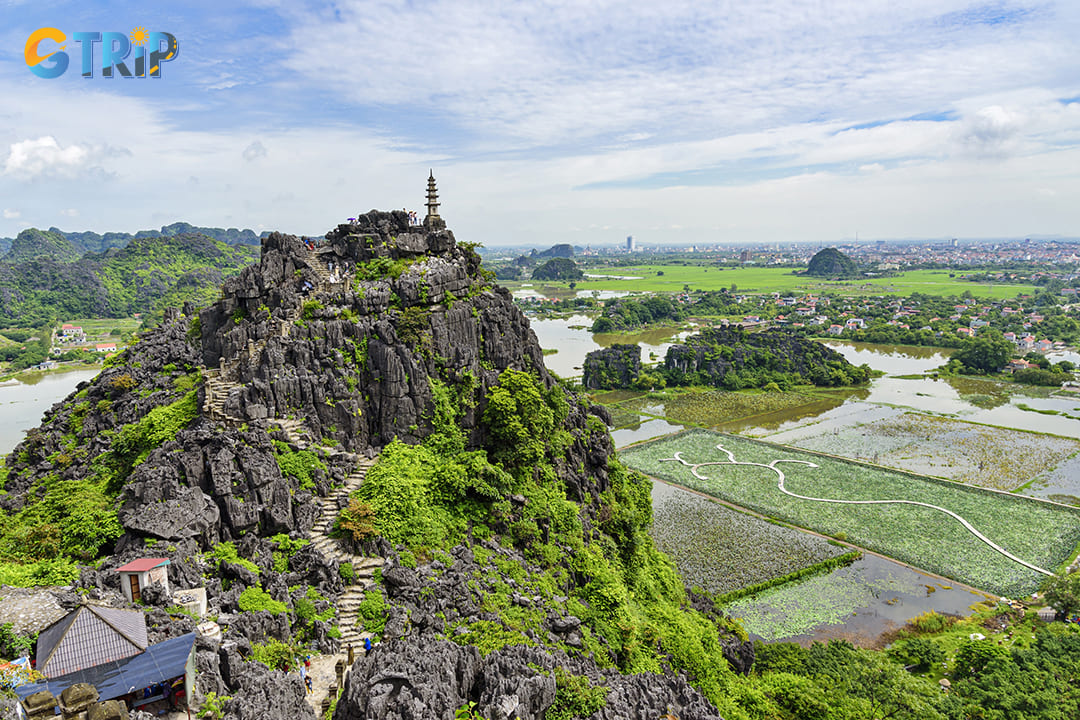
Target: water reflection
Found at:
863, 601
645, 429
574, 340
23, 402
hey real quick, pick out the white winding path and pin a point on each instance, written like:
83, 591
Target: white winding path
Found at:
780, 473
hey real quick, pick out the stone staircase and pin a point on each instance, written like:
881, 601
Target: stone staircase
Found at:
364, 567
218, 389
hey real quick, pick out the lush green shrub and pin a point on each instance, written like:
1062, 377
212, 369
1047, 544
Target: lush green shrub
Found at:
274, 654
520, 416
372, 612
575, 697
13, 645
226, 552
157, 427
300, 464
58, 571
255, 598
286, 548
347, 572
213, 705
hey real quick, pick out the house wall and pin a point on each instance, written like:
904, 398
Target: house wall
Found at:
158, 575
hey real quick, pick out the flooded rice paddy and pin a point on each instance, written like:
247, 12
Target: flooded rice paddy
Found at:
859, 603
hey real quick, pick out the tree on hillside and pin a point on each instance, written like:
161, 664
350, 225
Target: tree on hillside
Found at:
1062, 592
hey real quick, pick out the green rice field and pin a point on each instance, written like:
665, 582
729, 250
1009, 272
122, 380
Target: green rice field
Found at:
1040, 533
779, 279
720, 550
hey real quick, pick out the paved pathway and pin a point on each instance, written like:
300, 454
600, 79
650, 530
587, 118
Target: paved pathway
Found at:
780, 484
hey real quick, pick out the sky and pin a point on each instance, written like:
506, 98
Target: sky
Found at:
579, 121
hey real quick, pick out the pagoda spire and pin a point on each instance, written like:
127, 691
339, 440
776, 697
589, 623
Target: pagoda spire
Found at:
432, 199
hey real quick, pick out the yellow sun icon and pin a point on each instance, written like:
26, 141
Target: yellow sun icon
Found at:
139, 36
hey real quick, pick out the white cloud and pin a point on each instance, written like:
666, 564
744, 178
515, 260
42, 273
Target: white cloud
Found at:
10, 214
45, 157
992, 130
70, 212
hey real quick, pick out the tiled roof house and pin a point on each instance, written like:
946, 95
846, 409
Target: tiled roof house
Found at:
90, 635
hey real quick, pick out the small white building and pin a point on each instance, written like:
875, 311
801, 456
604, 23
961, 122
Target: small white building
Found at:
1047, 614
138, 574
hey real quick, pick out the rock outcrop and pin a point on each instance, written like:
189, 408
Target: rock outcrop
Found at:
617, 366
233, 436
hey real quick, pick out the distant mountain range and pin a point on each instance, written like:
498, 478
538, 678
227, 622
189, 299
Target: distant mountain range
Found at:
87, 241
46, 275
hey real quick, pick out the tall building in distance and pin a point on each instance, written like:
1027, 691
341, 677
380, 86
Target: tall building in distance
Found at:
630, 246
744, 256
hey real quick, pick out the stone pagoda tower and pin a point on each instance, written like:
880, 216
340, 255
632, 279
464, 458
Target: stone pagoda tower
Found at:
433, 219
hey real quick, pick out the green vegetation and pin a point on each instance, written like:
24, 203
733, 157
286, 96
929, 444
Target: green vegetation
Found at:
146, 276
626, 593
734, 359
709, 407
575, 697
135, 441
371, 613
254, 599
213, 706
981, 355
14, 645
226, 552
299, 464
753, 279
286, 548
274, 654
1062, 592
724, 551
558, 269
1040, 533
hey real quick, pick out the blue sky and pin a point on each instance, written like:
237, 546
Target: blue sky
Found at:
563, 121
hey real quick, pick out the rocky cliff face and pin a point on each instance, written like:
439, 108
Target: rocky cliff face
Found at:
353, 357
251, 422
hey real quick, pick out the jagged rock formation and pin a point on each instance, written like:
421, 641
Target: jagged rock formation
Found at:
412, 306
617, 366
404, 680
251, 422
708, 357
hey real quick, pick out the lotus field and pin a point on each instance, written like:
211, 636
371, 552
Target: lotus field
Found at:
1036, 532
721, 550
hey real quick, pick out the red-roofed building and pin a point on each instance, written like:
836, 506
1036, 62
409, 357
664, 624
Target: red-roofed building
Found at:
137, 574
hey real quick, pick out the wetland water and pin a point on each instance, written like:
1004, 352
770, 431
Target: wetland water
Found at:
22, 403
858, 603
942, 427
